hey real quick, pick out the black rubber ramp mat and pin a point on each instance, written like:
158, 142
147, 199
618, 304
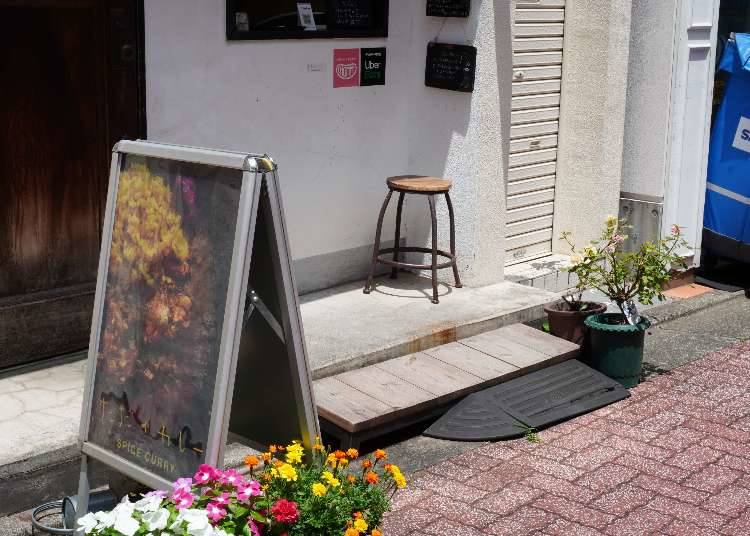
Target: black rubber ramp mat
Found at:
536, 400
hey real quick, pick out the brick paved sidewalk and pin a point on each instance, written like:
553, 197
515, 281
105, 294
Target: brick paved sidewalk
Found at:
673, 459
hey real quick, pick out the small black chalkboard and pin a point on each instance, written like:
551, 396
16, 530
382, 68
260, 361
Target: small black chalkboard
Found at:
448, 8
350, 13
451, 66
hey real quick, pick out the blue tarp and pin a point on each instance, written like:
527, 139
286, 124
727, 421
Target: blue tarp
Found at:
727, 211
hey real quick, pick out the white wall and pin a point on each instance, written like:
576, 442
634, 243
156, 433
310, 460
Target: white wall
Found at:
592, 117
647, 120
335, 147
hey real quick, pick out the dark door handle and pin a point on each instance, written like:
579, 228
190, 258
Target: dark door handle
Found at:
127, 52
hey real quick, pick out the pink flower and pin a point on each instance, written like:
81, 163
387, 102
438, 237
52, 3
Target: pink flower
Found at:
676, 230
230, 477
215, 512
254, 530
618, 239
183, 484
223, 499
285, 511
205, 473
183, 499
249, 490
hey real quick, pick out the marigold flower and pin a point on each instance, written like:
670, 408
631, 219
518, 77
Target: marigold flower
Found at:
357, 515
351, 479
294, 453
376, 532
352, 453
286, 472
339, 454
360, 525
319, 489
343, 462
351, 531
266, 456
330, 479
272, 449
371, 477
252, 461
380, 454
367, 464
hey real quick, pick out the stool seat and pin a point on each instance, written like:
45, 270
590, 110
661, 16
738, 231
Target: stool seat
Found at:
418, 184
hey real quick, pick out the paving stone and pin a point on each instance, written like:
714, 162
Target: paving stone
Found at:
454, 510
681, 528
670, 489
741, 525
695, 458
640, 448
446, 486
654, 468
719, 430
731, 447
563, 527
734, 462
501, 476
552, 452
559, 487
407, 521
596, 456
686, 512
729, 502
551, 467
639, 522
476, 460
409, 496
581, 438
572, 511
678, 439
444, 526
497, 450
664, 422
525, 520
624, 430
713, 478
454, 471
608, 477
508, 499
624, 499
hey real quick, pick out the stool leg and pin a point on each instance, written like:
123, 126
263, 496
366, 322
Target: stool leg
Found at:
431, 200
453, 239
376, 247
397, 242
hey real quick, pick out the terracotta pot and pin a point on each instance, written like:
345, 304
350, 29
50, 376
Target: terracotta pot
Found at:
569, 325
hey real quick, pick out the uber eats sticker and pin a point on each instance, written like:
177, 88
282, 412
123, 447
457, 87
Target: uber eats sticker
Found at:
742, 137
372, 72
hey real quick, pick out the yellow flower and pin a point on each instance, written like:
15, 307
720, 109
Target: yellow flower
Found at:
397, 475
611, 221
294, 453
330, 479
353, 453
331, 460
360, 524
285, 471
343, 462
319, 489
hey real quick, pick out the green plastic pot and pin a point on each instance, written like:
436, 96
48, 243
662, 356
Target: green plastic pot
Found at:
616, 350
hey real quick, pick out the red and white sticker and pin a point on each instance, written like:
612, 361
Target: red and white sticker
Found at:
345, 67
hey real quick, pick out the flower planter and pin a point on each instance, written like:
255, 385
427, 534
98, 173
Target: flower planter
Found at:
616, 350
568, 324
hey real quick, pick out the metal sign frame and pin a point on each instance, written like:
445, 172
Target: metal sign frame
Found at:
259, 175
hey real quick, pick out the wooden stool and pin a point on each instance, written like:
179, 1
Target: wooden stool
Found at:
415, 184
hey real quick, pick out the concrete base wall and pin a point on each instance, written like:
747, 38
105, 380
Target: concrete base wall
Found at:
590, 154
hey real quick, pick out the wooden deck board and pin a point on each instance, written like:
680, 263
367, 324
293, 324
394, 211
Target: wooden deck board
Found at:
471, 360
430, 374
407, 388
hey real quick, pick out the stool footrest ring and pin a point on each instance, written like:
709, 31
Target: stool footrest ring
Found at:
414, 249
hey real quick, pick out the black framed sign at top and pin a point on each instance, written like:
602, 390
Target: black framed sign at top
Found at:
282, 19
448, 8
451, 66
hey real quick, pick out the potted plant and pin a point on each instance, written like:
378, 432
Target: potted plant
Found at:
284, 491
616, 343
566, 316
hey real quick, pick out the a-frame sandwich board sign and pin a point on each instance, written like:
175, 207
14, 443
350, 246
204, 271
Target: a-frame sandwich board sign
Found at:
196, 325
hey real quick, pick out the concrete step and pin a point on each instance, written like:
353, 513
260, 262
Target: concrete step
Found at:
344, 329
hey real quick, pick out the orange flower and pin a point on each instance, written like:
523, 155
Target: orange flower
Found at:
339, 454
272, 449
351, 531
376, 532
357, 515
317, 446
266, 456
367, 464
353, 453
388, 467
351, 479
371, 477
380, 454
252, 461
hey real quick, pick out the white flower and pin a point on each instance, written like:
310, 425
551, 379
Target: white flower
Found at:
105, 519
197, 522
220, 532
156, 520
124, 521
88, 523
148, 504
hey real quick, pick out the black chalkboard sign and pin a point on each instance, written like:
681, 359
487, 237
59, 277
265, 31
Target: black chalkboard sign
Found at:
448, 8
350, 13
451, 66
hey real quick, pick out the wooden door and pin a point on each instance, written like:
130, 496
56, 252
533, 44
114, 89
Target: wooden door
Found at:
72, 82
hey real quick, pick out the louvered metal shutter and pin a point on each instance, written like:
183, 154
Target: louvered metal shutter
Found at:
537, 73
